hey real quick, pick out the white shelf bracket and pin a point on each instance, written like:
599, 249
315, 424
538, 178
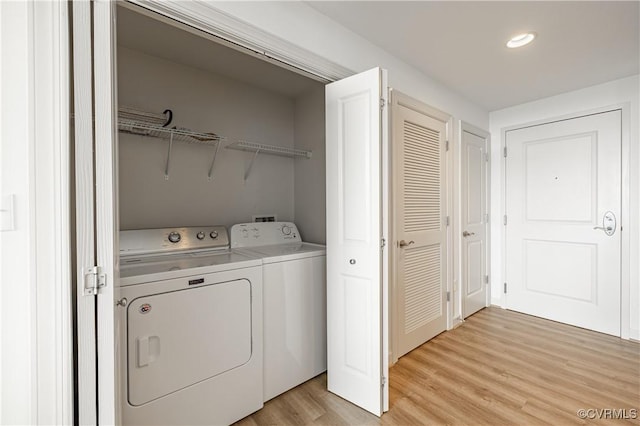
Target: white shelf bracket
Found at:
253, 160
213, 161
166, 166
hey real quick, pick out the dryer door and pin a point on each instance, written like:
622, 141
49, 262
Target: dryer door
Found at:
180, 338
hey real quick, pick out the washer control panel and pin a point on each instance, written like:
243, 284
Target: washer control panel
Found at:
169, 240
256, 234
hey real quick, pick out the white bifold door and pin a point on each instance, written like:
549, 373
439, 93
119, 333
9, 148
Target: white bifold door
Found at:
356, 123
96, 210
563, 203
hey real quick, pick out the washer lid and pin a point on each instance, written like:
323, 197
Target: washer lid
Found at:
147, 269
284, 252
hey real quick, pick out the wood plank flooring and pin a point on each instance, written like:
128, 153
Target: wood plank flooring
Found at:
497, 368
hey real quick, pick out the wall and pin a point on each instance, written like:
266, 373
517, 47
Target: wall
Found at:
17, 274
310, 195
208, 103
611, 93
36, 383
311, 30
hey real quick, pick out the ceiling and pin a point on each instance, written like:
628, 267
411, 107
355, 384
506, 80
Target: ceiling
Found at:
192, 48
462, 44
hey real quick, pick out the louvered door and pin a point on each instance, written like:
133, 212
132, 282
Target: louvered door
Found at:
419, 174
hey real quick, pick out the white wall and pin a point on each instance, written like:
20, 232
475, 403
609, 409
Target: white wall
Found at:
204, 102
310, 195
311, 30
35, 278
603, 95
17, 292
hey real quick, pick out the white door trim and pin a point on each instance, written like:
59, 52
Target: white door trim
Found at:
240, 35
466, 127
399, 98
52, 211
625, 108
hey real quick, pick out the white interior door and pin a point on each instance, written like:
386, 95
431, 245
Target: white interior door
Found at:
474, 160
419, 149
563, 183
96, 208
356, 340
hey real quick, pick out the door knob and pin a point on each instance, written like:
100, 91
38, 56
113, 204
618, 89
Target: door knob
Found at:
468, 234
403, 243
608, 224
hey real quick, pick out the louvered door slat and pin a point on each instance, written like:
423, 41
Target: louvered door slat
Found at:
421, 178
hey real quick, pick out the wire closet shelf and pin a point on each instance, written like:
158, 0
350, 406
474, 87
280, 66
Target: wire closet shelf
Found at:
176, 134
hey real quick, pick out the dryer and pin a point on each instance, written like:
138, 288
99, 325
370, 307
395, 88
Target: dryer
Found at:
191, 340
294, 302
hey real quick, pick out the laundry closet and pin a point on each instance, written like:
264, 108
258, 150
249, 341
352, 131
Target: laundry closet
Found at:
221, 167
210, 88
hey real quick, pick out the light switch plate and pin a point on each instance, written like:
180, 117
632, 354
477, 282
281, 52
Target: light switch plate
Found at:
7, 212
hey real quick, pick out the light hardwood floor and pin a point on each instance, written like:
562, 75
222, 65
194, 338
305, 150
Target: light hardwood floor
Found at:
498, 367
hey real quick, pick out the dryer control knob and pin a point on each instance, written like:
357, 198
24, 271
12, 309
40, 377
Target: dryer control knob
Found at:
214, 234
174, 237
286, 230
200, 235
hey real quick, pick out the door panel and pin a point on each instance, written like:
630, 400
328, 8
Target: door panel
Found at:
355, 306
419, 175
562, 178
473, 222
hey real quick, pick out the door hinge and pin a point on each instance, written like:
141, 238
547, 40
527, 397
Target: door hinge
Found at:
486, 218
446, 145
504, 220
94, 280
382, 103
447, 221
383, 243
504, 152
486, 279
448, 296
486, 157
505, 288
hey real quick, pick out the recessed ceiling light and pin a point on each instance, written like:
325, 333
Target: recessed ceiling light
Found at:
520, 40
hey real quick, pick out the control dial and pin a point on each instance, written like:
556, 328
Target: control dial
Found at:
174, 237
200, 235
214, 234
286, 229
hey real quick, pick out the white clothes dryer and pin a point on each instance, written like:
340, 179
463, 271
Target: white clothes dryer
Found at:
191, 337
294, 301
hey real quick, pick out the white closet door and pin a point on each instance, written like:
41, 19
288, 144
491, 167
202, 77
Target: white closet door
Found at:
474, 221
96, 220
563, 221
420, 212
356, 367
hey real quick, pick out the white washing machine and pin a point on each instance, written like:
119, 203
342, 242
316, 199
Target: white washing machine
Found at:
191, 311
294, 301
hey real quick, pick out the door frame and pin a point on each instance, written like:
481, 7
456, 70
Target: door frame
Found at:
625, 219
398, 98
469, 128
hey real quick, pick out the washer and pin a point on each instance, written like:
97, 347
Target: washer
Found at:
294, 284
191, 337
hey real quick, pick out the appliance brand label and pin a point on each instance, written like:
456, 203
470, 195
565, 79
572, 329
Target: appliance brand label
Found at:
196, 281
145, 308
